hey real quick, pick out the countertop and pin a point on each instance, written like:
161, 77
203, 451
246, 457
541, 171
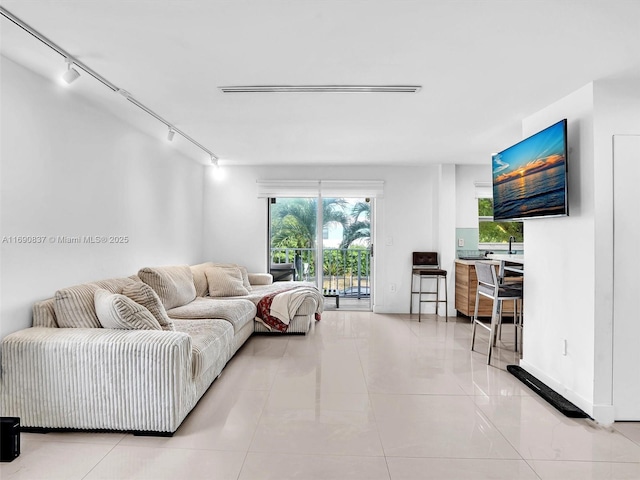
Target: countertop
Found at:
504, 257
473, 262
495, 258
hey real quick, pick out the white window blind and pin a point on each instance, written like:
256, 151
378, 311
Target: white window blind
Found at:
352, 188
483, 190
288, 188
313, 188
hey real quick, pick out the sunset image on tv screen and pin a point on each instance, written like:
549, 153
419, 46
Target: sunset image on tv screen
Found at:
529, 178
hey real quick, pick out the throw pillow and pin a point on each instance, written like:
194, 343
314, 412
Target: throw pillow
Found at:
243, 271
200, 279
74, 306
245, 277
119, 311
174, 284
225, 282
143, 294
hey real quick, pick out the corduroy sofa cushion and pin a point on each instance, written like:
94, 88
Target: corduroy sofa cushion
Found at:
210, 342
44, 314
200, 279
225, 281
120, 312
236, 312
144, 295
173, 284
243, 271
74, 306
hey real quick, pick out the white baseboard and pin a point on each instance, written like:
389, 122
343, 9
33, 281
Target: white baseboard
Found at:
604, 414
384, 309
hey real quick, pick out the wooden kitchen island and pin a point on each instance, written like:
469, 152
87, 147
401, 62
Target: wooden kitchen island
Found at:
466, 287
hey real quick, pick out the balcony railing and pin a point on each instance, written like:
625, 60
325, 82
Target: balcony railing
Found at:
346, 270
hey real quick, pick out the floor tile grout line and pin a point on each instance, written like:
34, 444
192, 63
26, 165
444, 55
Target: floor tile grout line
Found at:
637, 442
102, 459
477, 409
515, 449
371, 407
264, 406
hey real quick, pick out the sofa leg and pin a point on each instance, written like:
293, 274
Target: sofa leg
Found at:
137, 433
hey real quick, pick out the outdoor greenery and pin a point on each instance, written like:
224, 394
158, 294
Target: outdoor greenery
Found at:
358, 227
496, 232
350, 261
293, 234
293, 221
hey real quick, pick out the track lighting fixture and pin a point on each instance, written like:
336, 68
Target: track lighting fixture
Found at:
71, 75
214, 161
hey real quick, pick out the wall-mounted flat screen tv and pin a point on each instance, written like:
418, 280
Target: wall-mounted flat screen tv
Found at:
530, 177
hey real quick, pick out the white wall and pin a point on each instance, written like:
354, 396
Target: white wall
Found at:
466, 202
569, 279
626, 355
617, 112
559, 263
447, 207
69, 169
235, 227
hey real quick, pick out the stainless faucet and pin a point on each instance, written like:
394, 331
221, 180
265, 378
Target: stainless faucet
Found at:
511, 239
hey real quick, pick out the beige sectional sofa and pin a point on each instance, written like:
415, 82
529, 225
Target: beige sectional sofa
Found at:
167, 340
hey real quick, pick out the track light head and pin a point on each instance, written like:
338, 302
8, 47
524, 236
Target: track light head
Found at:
71, 75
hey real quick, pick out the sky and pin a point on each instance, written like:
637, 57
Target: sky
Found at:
540, 151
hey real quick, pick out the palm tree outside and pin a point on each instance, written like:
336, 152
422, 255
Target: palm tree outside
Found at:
358, 228
293, 220
293, 229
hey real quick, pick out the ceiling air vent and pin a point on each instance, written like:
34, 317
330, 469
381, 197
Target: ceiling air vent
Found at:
322, 89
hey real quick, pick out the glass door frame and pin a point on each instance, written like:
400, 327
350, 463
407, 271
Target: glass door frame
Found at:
318, 246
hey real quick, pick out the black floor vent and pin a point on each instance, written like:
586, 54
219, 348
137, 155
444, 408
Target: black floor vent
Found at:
558, 401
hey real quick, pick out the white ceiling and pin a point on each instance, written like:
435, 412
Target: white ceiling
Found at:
483, 66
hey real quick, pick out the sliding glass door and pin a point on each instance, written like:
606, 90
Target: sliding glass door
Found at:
346, 251
292, 238
343, 248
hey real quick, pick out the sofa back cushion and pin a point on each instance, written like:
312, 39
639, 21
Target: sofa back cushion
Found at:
144, 295
225, 282
173, 284
245, 277
200, 279
260, 279
74, 306
243, 271
44, 314
120, 312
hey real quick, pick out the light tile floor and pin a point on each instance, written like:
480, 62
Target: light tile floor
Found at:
363, 396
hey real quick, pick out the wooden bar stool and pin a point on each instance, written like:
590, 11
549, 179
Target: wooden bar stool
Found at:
427, 266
